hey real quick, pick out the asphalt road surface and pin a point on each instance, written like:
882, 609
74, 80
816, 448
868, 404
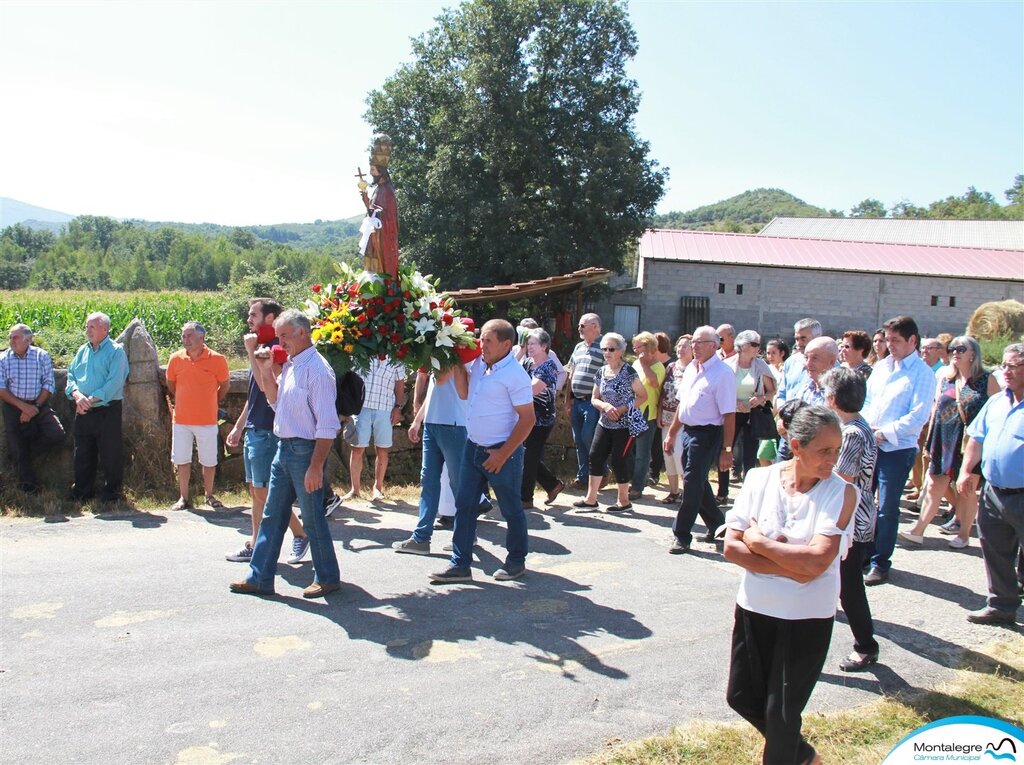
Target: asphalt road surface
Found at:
122, 644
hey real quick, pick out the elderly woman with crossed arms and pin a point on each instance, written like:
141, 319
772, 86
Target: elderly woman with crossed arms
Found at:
785, 531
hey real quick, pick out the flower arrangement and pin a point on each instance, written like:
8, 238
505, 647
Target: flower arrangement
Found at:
368, 316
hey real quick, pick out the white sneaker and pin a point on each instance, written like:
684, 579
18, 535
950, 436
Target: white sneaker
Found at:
959, 544
913, 539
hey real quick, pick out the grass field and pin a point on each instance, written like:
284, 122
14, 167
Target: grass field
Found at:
58, 318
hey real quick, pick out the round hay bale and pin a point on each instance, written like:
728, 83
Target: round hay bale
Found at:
997, 319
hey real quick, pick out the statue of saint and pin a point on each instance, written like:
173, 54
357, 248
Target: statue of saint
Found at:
379, 243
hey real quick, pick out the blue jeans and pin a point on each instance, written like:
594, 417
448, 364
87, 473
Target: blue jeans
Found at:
507, 484
891, 472
442, 445
583, 420
698, 450
287, 483
643, 456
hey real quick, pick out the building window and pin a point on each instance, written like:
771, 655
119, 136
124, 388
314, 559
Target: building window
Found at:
721, 288
694, 311
739, 289
626, 320
935, 299
952, 302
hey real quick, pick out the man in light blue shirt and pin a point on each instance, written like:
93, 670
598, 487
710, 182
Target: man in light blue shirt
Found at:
500, 416
901, 391
794, 373
997, 439
96, 378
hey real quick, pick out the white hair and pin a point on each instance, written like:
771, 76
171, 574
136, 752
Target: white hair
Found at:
710, 334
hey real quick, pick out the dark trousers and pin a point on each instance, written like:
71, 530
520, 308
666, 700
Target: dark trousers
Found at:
775, 666
744, 452
854, 598
698, 450
610, 447
98, 440
1001, 530
657, 454
26, 440
534, 469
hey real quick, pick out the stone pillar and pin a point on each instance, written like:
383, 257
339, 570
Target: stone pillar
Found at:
143, 393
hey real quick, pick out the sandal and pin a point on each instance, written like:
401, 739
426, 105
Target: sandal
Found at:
181, 504
587, 505
672, 499
213, 502
620, 508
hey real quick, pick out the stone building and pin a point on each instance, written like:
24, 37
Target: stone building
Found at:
764, 282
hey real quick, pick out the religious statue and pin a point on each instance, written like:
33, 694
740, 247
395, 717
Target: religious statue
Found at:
379, 242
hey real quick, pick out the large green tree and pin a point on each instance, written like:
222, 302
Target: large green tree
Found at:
516, 155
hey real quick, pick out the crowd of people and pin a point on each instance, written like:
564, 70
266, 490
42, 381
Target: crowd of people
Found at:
825, 438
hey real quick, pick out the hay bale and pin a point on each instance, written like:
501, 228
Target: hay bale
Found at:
997, 319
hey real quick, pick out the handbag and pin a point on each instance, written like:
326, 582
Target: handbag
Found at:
762, 419
636, 421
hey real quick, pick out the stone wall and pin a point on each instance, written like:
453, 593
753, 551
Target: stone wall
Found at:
147, 433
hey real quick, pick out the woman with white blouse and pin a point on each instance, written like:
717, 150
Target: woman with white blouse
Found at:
785, 531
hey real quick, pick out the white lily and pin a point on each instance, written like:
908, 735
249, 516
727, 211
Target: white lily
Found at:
312, 309
424, 324
444, 337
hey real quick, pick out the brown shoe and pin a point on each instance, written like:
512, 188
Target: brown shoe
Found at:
553, 494
319, 589
578, 485
246, 587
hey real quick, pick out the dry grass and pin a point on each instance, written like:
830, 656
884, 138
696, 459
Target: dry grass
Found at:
988, 684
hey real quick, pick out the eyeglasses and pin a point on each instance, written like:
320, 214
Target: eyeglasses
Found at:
609, 350
1011, 367
958, 349
698, 342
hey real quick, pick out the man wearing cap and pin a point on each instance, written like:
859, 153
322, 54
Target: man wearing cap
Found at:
26, 384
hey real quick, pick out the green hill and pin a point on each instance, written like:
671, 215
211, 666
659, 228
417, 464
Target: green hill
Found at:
747, 212
320, 233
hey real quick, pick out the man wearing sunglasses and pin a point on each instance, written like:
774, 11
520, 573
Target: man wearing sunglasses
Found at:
583, 368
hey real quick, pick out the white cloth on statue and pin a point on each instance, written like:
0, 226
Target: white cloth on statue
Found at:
446, 505
370, 224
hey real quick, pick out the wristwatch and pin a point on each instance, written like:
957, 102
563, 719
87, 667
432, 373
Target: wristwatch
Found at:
728, 450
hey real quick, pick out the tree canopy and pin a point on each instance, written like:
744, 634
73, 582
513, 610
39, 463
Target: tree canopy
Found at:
515, 151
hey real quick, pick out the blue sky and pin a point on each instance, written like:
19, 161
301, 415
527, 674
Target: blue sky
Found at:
244, 113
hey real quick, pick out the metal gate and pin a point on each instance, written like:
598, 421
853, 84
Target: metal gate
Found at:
693, 312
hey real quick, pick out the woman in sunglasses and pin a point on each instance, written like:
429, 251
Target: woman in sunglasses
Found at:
618, 389
963, 388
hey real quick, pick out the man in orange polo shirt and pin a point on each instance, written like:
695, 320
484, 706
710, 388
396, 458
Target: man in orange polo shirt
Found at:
197, 378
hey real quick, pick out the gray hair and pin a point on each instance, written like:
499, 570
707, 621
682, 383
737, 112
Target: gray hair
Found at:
23, 329
541, 336
826, 344
98, 315
616, 338
294, 318
812, 324
809, 421
529, 323
748, 337
846, 388
729, 329
710, 334
194, 325
591, 317
1014, 348
976, 366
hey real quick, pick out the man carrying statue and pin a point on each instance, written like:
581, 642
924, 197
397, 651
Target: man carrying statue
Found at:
379, 242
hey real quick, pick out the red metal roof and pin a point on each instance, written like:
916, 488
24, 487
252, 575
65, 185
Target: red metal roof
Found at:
865, 257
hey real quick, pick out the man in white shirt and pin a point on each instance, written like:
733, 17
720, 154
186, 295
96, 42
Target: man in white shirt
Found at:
500, 417
382, 410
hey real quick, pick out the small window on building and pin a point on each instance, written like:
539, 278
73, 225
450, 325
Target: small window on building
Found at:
739, 289
721, 288
952, 302
935, 299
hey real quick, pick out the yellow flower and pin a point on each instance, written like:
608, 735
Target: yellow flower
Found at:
337, 337
315, 336
349, 348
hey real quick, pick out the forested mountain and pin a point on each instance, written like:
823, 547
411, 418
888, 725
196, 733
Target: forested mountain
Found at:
12, 211
747, 212
320, 233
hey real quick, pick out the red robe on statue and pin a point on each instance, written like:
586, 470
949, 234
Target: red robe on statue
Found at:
384, 241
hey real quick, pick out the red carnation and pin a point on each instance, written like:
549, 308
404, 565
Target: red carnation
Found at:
395, 337
371, 312
400, 319
447, 319
403, 351
433, 305
382, 329
415, 314
316, 288
407, 295
365, 332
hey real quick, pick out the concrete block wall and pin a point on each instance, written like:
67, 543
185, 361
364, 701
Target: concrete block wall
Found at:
774, 298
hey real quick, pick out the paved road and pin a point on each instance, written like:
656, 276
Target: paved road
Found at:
122, 644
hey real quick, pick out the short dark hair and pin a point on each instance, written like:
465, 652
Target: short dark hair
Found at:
781, 344
905, 327
502, 329
789, 409
846, 388
268, 306
664, 342
858, 339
